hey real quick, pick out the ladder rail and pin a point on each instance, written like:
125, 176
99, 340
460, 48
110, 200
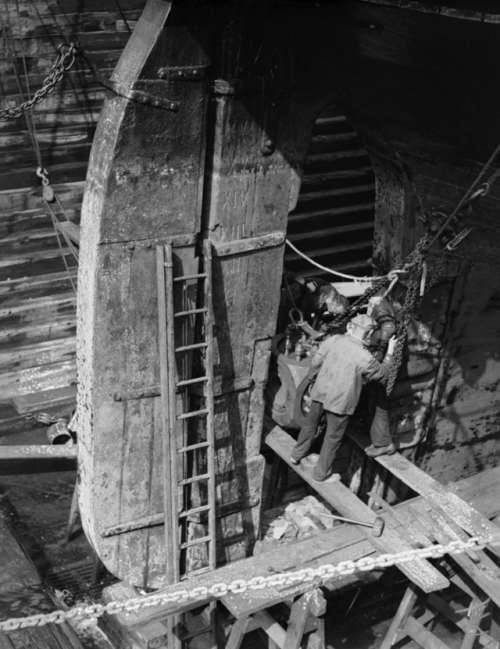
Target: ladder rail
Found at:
209, 400
169, 272
166, 414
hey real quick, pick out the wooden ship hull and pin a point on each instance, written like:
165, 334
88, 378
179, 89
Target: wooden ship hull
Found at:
220, 157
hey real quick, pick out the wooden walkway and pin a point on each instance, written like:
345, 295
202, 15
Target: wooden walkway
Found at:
480, 492
419, 571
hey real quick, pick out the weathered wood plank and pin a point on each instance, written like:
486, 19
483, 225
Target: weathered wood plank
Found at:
33, 380
34, 401
38, 451
477, 565
41, 353
439, 496
344, 501
19, 200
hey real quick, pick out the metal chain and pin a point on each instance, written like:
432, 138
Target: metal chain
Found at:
407, 312
315, 575
357, 305
64, 62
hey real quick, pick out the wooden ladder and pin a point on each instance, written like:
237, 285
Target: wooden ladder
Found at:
183, 458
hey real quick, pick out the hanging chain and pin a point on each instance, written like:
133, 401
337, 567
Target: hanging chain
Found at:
64, 62
411, 303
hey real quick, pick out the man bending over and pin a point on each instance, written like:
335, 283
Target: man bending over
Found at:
341, 366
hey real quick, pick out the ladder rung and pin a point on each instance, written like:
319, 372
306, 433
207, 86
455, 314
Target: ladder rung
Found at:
187, 415
196, 478
188, 544
188, 347
193, 447
199, 379
195, 510
183, 278
198, 632
200, 571
191, 312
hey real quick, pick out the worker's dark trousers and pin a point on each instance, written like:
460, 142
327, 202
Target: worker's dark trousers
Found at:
380, 431
335, 429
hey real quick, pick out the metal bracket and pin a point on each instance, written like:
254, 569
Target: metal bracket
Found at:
193, 73
141, 92
240, 246
453, 244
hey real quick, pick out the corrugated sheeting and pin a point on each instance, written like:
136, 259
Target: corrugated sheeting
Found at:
37, 300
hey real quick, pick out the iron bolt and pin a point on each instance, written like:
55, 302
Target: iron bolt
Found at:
131, 245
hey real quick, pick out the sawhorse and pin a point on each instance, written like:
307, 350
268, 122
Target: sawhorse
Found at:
305, 617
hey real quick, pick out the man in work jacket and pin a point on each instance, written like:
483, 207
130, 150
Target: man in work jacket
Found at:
311, 295
340, 366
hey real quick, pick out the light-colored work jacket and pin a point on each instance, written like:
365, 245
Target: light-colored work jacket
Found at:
341, 365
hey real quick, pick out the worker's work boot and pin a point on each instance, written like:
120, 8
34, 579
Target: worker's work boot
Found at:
376, 451
334, 477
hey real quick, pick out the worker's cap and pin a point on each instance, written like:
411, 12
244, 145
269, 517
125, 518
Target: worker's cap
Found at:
364, 322
329, 292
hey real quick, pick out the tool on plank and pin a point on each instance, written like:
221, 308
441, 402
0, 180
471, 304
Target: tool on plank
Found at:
377, 526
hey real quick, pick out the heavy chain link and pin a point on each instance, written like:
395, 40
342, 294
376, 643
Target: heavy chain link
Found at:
64, 62
412, 300
314, 575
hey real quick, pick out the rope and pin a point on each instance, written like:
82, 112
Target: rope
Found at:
123, 16
338, 273
314, 575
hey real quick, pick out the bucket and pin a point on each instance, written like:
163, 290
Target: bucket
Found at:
58, 433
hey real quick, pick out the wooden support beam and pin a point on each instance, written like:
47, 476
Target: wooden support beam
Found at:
403, 612
423, 636
440, 497
274, 630
297, 622
238, 631
481, 569
449, 612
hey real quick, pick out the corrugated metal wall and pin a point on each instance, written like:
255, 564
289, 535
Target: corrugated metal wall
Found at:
37, 301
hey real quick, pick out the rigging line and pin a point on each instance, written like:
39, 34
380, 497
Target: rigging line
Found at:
62, 251
355, 278
32, 132
289, 291
28, 115
117, 2
467, 194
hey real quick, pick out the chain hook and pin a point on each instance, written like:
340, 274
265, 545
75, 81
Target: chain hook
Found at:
48, 192
43, 173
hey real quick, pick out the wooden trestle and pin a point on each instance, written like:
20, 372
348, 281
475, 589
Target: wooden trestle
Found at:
440, 514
